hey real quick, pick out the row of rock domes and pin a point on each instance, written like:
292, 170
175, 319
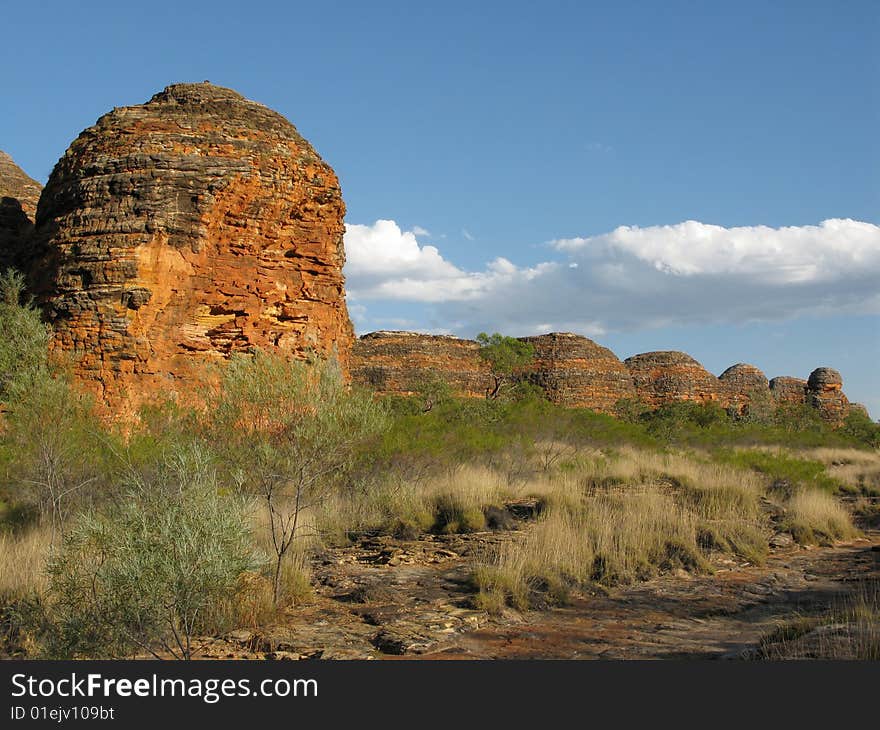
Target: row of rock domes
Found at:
577, 372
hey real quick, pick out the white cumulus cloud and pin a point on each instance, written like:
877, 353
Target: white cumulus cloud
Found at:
630, 278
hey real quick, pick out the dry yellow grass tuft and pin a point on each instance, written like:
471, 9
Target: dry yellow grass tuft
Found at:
623, 516
813, 516
859, 470
23, 556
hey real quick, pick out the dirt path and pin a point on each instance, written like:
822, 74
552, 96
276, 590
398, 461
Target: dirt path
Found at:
385, 598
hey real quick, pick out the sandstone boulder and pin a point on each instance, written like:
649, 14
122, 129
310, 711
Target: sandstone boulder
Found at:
399, 363
789, 391
176, 232
19, 194
576, 372
747, 387
825, 394
669, 376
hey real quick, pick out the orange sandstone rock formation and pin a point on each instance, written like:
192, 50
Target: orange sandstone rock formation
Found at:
176, 232
745, 386
575, 371
825, 394
669, 376
19, 194
399, 363
789, 391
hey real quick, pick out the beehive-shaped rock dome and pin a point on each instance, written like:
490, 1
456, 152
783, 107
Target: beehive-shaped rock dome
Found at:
574, 371
669, 376
176, 232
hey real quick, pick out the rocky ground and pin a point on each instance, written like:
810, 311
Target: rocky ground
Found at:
386, 598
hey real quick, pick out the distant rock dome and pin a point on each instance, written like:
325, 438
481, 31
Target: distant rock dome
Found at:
574, 371
825, 378
668, 376
789, 391
825, 394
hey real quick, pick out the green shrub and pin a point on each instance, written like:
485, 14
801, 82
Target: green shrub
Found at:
145, 575
24, 342
861, 428
56, 455
785, 470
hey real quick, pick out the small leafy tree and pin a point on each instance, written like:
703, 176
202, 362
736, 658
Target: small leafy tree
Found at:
292, 432
504, 356
433, 391
143, 575
54, 450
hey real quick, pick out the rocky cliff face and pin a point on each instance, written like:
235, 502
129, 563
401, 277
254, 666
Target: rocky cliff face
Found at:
176, 232
825, 394
574, 371
19, 194
669, 376
399, 363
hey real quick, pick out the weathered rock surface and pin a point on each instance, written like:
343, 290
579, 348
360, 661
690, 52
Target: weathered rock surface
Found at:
399, 363
670, 376
789, 391
176, 232
576, 372
19, 194
859, 409
825, 394
746, 387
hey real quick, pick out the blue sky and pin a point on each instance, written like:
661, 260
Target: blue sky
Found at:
507, 142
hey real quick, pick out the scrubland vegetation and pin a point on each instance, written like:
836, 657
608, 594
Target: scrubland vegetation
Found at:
199, 519
849, 629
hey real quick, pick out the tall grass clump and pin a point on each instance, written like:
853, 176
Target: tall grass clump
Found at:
813, 516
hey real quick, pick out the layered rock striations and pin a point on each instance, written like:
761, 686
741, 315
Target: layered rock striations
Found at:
746, 387
789, 391
575, 371
19, 195
400, 363
825, 393
176, 232
669, 376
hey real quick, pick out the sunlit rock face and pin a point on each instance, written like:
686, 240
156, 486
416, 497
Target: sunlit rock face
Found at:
670, 376
746, 388
825, 394
174, 233
400, 363
789, 391
576, 372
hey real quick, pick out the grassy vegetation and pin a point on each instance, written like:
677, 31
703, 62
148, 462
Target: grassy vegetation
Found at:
816, 517
286, 459
849, 630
